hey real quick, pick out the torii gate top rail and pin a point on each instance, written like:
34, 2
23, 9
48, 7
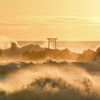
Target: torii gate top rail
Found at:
51, 40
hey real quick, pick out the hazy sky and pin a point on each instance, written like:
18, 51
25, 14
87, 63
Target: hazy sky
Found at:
38, 19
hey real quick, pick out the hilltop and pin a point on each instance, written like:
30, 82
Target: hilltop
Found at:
54, 54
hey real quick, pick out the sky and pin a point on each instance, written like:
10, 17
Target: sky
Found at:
36, 20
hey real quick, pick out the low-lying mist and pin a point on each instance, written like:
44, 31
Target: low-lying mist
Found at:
49, 80
10, 50
31, 72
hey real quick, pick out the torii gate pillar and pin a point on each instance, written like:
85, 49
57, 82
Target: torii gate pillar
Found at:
51, 40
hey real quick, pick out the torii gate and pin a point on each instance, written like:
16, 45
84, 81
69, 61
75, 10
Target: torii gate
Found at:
51, 40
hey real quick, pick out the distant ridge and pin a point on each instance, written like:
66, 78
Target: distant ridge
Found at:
54, 54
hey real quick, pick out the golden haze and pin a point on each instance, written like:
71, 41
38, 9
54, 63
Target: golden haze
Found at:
71, 20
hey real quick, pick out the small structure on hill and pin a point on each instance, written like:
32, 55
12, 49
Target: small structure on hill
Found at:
51, 40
